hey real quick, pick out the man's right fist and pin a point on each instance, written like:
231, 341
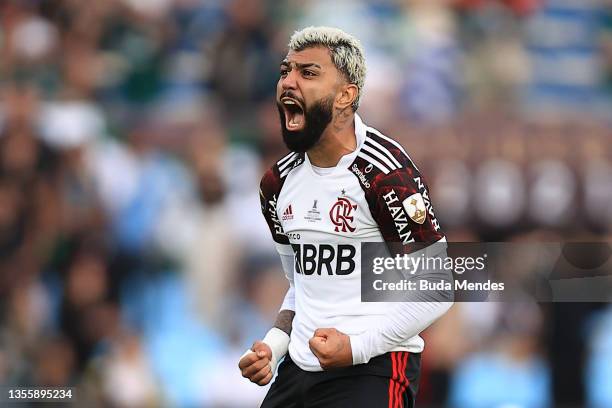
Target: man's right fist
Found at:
255, 364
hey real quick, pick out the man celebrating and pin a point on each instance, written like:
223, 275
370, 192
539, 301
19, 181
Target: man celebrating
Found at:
343, 184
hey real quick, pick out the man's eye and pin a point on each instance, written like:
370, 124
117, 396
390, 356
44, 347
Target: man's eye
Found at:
283, 72
308, 73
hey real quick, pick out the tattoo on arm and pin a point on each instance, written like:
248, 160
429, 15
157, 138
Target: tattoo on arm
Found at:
284, 320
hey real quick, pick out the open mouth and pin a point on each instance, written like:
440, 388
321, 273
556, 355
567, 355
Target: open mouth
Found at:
294, 114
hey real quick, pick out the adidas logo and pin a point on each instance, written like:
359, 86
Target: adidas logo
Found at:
288, 213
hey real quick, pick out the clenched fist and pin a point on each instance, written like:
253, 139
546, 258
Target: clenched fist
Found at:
332, 348
256, 365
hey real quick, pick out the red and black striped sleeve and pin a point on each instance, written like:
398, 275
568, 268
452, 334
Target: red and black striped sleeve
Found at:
269, 189
397, 195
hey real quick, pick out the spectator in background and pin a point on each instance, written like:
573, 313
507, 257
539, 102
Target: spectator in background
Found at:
483, 378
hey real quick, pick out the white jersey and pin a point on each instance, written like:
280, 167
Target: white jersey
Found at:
320, 217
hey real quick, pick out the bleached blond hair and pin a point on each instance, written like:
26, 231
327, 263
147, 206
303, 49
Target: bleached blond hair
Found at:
346, 52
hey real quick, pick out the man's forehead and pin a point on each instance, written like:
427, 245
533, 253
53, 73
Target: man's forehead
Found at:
317, 55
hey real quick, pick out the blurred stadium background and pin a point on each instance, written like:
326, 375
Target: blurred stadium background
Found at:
134, 261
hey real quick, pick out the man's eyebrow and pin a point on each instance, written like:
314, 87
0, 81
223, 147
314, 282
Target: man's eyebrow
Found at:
301, 66
308, 65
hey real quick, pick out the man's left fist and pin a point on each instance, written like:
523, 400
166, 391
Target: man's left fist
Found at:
332, 348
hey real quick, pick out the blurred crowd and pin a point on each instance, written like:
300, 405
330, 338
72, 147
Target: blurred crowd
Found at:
134, 262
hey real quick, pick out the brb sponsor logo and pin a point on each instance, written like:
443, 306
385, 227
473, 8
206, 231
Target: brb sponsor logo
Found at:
341, 215
324, 259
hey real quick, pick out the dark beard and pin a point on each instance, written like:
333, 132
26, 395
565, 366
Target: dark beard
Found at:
317, 117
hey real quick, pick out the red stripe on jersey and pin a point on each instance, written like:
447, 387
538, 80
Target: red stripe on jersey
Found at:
403, 379
391, 381
398, 401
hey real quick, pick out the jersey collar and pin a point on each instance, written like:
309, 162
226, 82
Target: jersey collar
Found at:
360, 131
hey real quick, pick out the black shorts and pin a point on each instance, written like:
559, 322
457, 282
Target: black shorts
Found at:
387, 381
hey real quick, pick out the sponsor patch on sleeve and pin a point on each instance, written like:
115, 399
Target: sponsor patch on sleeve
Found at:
415, 208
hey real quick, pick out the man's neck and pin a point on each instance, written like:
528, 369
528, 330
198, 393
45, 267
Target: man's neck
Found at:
337, 140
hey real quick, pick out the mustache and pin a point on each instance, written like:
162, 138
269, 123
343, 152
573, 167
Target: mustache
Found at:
291, 95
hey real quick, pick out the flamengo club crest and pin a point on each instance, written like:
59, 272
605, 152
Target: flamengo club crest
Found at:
341, 215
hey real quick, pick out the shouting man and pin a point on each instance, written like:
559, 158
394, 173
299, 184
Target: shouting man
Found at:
343, 184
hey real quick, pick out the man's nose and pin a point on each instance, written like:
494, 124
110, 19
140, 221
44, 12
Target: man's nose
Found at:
289, 81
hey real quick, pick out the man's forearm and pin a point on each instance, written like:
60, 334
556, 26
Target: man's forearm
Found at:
284, 321
405, 321
278, 337
409, 318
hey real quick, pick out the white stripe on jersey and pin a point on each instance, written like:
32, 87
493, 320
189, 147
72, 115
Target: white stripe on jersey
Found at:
379, 155
372, 160
384, 150
284, 173
287, 159
394, 143
289, 166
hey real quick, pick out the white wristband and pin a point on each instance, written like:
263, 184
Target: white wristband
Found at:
278, 341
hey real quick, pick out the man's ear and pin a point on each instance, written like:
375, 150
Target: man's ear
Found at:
346, 97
